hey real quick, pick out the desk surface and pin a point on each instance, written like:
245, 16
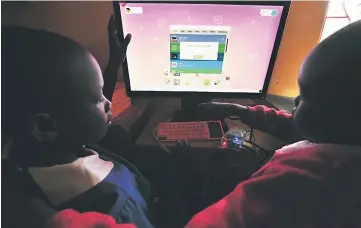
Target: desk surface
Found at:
164, 113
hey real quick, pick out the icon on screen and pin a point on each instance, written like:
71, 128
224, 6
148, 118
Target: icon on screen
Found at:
207, 82
166, 72
218, 19
174, 38
174, 64
174, 56
127, 10
228, 78
174, 48
167, 81
268, 12
216, 82
274, 13
176, 82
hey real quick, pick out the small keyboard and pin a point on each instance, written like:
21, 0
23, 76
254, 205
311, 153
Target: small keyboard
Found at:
182, 131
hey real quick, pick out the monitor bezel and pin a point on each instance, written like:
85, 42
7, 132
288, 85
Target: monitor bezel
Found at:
262, 95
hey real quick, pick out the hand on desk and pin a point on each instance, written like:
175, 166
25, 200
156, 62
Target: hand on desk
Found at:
220, 111
268, 120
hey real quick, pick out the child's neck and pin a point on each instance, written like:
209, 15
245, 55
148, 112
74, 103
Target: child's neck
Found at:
45, 155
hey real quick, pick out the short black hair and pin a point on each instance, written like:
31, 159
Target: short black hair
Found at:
28, 66
336, 67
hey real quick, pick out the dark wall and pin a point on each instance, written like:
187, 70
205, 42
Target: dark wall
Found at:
86, 22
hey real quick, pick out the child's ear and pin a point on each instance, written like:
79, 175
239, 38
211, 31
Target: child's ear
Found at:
42, 128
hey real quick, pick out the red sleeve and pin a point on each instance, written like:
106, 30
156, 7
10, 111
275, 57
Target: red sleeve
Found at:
277, 123
72, 219
279, 195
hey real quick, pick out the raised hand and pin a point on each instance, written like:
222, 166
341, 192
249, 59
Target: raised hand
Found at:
117, 45
117, 52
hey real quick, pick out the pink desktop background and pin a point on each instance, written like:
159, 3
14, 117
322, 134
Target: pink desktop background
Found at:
250, 45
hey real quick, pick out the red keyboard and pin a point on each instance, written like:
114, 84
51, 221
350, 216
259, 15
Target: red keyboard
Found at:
181, 131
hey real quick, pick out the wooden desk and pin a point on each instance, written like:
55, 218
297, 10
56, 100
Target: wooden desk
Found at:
164, 113
151, 158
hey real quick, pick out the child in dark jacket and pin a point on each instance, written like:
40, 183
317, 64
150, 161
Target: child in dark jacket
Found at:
54, 107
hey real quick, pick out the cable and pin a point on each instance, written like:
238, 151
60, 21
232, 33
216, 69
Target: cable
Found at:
251, 135
183, 144
268, 153
250, 139
162, 146
346, 11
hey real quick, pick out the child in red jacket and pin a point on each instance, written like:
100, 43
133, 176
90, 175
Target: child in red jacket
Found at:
314, 183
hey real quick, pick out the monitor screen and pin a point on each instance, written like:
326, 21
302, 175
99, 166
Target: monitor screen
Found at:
187, 47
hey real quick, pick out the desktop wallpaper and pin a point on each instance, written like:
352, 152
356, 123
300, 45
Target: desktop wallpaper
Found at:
252, 33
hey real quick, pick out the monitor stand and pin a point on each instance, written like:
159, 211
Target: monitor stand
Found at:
188, 110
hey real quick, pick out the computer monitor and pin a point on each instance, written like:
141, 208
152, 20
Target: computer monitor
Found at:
225, 48
199, 50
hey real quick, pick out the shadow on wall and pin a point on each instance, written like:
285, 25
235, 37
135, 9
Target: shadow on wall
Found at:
85, 22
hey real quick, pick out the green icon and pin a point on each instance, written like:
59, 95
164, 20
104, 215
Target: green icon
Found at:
274, 13
207, 82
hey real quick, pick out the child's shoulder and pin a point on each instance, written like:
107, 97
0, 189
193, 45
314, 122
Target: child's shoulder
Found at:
319, 159
305, 150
